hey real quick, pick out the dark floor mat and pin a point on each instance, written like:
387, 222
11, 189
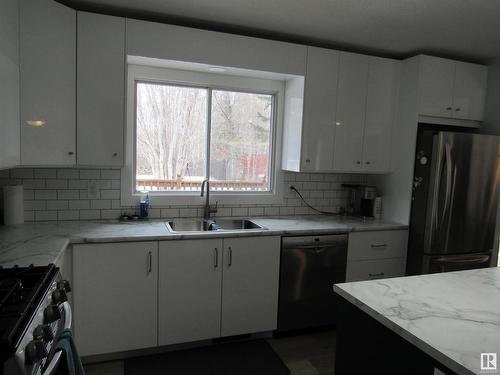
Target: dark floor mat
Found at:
238, 358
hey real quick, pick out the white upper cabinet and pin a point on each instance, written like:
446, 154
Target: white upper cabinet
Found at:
436, 86
101, 89
452, 89
381, 99
319, 109
469, 94
9, 86
348, 112
48, 82
351, 112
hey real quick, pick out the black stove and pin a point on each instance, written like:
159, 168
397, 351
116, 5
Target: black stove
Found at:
21, 290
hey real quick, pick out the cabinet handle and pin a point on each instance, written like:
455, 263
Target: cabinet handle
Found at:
457, 109
368, 163
358, 162
229, 256
115, 154
71, 153
150, 262
448, 108
376, 274
380, 246
308, 160
216, 257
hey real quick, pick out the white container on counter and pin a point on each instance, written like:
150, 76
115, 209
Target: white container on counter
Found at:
13, 205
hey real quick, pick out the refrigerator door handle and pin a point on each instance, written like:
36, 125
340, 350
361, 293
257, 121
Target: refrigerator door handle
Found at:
460, 259
448, 182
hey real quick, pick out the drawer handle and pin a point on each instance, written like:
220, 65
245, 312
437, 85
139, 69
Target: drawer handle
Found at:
379, 246
376, 274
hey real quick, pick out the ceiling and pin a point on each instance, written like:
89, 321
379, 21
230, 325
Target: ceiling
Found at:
466, 29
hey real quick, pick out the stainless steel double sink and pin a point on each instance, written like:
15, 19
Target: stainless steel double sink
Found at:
217, 225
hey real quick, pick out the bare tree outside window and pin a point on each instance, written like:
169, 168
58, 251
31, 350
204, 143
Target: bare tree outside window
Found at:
171, 138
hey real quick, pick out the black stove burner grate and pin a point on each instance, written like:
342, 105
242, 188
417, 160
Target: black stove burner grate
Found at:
21, 290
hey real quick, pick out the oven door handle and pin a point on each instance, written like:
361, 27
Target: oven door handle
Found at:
68, 315
52, 366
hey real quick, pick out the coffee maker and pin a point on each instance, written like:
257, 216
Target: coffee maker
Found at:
362, 200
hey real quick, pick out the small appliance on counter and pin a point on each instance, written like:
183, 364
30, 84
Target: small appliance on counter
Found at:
362, 201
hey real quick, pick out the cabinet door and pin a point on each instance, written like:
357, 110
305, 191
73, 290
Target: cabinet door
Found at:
250, 285
48, 82
351, 106
9, 87
115, 296
470, 91
189, 290
101, 89
380, 109
319, 109
436, 86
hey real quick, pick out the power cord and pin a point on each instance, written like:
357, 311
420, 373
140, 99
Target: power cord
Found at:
311, 207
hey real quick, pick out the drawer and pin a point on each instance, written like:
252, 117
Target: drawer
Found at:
377, 245
375, 269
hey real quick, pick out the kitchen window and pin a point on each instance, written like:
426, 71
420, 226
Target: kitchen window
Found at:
190, 126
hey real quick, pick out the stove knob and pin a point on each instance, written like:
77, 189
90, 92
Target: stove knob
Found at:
43, 332
64, 285
35, 351
59, 296
51, 314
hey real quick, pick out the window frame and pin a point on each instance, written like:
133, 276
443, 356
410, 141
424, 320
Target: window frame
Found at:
210, 81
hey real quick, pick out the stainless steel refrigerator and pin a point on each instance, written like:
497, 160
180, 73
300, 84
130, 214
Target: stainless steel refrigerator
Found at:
454, 202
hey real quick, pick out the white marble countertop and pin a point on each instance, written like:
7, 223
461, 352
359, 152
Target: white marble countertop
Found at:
43, 242
453, 317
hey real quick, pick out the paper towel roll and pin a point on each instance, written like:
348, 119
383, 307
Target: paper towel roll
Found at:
13, 205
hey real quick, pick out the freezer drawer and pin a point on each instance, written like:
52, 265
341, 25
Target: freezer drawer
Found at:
310, 266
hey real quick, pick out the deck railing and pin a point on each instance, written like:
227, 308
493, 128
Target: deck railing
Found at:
183, 185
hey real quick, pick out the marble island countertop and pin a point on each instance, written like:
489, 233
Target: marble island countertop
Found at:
43, 242
453, 317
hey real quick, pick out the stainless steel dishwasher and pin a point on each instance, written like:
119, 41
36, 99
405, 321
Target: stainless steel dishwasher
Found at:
310, 265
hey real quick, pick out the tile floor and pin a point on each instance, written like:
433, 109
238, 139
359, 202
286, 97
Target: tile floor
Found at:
304, 354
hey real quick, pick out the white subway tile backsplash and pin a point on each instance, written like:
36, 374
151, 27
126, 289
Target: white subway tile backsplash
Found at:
90, 174
103, 204
56, 184
57, 204
44, 173
110, 174
68, 173
62, 194
45, 194
68, 215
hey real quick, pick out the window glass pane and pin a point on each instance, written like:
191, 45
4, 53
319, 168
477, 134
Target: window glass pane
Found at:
171, 129
240, 141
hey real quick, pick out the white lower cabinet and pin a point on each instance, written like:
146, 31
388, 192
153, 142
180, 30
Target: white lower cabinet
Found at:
190, 282
375, 269
376, 255
219, 287
250, 285
115, 296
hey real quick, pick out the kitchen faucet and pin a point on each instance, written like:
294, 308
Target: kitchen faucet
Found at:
205, 185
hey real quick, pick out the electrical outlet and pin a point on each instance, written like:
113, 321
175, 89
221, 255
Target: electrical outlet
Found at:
92, 190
